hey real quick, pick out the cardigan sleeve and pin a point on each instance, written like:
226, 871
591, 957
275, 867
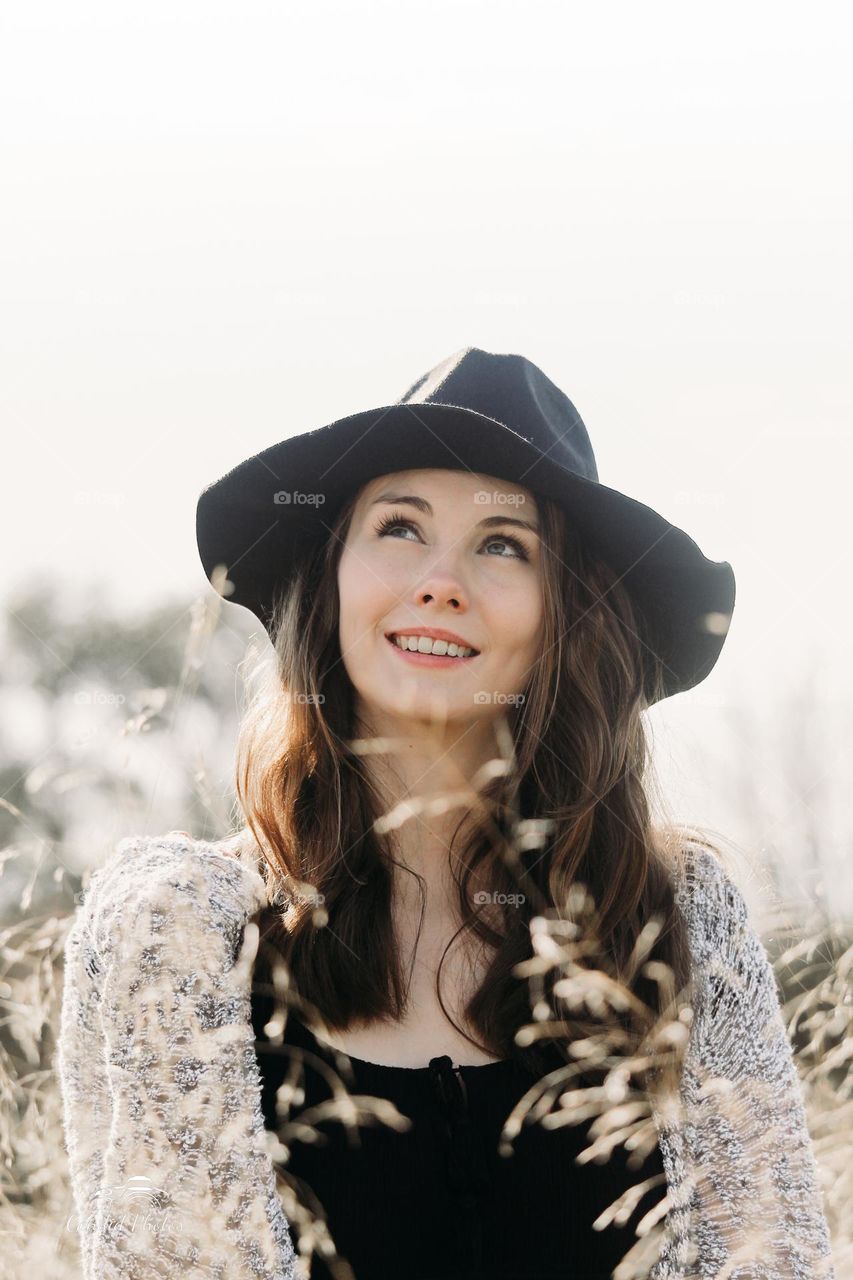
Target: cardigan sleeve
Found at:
757, 1211
158, 1074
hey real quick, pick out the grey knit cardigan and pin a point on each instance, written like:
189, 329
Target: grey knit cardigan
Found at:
161, 1086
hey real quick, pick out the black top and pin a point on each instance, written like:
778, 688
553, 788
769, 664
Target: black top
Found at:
438, 1202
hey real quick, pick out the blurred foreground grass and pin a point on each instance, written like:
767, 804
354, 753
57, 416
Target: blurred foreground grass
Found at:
125, 728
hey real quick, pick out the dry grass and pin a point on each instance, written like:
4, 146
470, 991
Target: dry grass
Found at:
37, 1231
36, 1210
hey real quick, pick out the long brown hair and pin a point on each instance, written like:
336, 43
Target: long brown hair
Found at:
572, 808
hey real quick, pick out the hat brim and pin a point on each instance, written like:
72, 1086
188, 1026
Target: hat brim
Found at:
264, 515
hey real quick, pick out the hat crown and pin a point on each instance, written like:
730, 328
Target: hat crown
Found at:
514, 391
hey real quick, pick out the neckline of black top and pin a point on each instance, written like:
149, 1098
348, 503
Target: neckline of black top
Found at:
439, 1062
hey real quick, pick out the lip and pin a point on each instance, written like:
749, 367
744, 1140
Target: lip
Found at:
435, 633
427, 659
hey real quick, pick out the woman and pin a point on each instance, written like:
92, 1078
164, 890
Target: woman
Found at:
467, 628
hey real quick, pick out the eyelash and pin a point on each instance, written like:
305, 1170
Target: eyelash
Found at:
394, 518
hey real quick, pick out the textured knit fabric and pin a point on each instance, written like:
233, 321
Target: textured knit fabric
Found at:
161, 1085
514, 1217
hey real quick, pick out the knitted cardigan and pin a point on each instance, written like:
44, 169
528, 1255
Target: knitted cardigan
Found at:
161, 1087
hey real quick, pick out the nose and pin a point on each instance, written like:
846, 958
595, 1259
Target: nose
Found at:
426, 597
442, 588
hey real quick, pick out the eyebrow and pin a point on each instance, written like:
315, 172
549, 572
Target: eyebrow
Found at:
421, 504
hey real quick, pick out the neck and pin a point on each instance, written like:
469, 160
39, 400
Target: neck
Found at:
425, 781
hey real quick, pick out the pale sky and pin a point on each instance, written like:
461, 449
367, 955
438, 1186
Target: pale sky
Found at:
223, 224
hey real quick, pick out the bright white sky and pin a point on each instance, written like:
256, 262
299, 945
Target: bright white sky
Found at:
222, 224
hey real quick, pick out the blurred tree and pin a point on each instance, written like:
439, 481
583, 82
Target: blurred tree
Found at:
112, 726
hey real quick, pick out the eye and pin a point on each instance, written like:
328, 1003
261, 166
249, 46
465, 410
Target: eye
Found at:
394, 520
509, 541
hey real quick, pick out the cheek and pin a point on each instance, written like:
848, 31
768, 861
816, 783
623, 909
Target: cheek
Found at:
523, 635
349, 601
364, 593
517, 609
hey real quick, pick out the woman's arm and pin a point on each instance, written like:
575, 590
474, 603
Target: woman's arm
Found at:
160, 1083
758, 1212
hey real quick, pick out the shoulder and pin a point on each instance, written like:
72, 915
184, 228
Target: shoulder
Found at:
153, 882
729, 959
710, 900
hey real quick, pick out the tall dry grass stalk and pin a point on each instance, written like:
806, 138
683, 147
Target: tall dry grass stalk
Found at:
36, 1210
37, 1213
607, 1082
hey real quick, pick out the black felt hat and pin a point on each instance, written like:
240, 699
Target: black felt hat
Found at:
490, 414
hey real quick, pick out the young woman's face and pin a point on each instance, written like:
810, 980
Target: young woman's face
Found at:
457, 561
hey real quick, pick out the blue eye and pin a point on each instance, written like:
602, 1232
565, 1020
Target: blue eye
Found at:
395, 520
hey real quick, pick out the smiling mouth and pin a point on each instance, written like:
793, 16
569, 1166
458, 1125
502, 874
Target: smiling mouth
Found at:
443, 658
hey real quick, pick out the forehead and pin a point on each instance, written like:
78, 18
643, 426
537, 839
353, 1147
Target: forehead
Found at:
436, 484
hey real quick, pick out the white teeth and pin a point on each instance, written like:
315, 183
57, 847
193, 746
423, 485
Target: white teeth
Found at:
423, 644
